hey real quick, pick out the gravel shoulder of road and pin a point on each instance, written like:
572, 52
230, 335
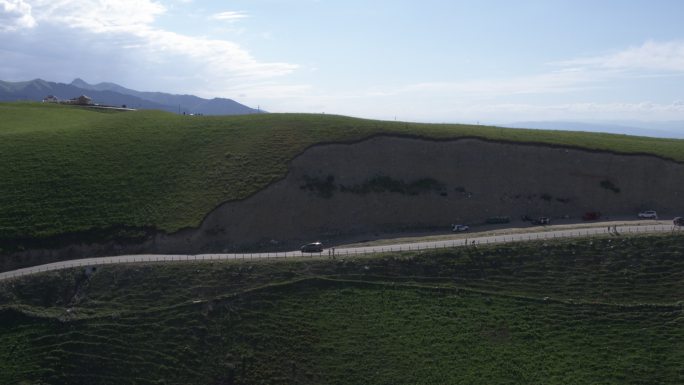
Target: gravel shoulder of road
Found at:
493, 230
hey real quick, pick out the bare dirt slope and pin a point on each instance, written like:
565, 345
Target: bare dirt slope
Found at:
399, 184
394, 183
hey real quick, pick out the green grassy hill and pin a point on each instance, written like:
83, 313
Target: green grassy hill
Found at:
73, 170
583, 311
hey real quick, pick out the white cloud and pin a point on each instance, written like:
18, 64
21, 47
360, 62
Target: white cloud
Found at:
99, 16
222, 58
573, 75
553, 82
124, 31
652, 55
15, 15
229, 16
649, 60
117, 40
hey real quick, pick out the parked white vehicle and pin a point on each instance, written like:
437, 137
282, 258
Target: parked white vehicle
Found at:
648, 214
459, 228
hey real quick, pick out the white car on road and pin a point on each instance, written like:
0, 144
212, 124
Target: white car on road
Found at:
459, 228
648, 214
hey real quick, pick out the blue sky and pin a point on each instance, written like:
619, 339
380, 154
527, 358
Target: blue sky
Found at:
429, 60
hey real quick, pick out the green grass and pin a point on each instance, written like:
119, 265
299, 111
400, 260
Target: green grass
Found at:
605, 311
70, 170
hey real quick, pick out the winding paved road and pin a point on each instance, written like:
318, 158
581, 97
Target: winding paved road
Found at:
473, 239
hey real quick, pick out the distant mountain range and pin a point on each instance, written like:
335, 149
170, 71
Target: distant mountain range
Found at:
116, 95
670, 129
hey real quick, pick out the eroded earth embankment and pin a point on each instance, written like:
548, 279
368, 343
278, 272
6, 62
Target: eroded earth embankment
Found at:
396, 183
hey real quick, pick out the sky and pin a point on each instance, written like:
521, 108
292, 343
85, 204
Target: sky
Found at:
488, 61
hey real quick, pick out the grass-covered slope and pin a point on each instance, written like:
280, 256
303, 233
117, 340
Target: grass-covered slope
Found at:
605, 311
67, 169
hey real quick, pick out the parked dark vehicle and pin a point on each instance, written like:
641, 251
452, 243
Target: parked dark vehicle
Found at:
542, 221
678, 221
314, 247
591, 216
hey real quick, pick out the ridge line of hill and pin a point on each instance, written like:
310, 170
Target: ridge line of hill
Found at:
115, 95
491, 140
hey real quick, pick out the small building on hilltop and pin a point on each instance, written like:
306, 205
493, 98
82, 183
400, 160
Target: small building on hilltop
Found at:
82, 101
50, 99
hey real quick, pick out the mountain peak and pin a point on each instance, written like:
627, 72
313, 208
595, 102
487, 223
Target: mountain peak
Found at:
80, 83
38, 84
